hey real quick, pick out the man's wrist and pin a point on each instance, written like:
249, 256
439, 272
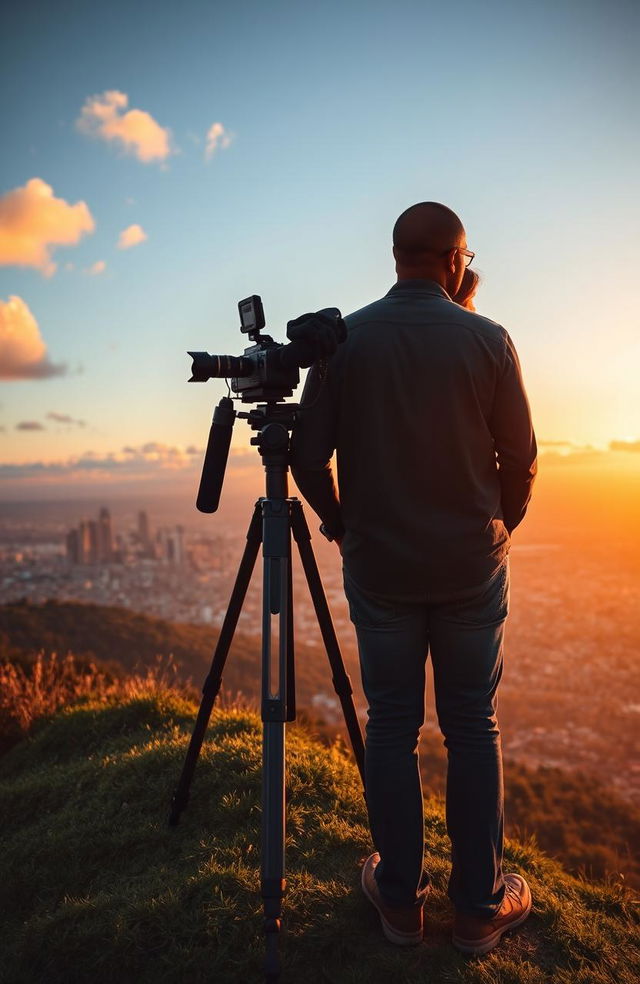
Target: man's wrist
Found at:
326, 532
331, 535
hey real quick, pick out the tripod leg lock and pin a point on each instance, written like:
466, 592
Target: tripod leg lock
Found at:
274, 709
272, 890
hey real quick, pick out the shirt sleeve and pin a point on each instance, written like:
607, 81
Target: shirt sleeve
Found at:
313, 442
514, 439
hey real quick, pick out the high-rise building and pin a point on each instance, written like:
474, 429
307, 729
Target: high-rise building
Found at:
178, 539
94, 541
170, 545
91, 542
105, 542
84, 546
144, 532
73, 546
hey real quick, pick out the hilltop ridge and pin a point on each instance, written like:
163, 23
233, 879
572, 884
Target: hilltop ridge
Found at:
94, 886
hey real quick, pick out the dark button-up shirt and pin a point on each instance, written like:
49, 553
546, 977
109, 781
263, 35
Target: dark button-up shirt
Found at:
425, 405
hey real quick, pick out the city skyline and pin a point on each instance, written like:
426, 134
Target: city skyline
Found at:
137, 205
93, 542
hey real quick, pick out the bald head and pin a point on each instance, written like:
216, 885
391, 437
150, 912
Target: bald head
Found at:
427, 226
424, 238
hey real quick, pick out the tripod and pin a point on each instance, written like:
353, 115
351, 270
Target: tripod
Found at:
275, 517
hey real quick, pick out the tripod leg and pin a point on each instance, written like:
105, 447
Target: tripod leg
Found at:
341, 679
291, 664
276, 601
213, 682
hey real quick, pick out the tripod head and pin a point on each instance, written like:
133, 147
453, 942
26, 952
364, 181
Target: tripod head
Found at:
269, 371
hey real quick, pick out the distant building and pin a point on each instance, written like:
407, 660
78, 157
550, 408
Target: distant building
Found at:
171, 549
73, 546
84, 547
105, 540
91, 542
179, 545
94, 542
144, 534
120, 548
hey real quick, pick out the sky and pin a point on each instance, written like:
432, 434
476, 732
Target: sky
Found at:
160, 161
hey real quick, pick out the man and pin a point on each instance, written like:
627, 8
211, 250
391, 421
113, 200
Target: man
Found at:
425, 405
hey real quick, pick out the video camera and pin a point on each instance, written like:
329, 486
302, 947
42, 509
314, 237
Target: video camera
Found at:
269, 370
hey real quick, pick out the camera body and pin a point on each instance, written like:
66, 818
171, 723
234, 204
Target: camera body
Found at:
268, 380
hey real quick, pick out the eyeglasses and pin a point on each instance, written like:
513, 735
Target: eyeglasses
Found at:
465, 253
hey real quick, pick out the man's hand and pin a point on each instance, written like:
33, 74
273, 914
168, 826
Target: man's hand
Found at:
316, 335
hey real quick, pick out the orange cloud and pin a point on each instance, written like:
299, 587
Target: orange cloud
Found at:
23, 353
217, 138
32, 220
98, 267
30, 425
135, 130
628, 445
131, 236
64, 418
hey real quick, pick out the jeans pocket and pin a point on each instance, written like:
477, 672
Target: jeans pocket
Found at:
364, 610
491, 601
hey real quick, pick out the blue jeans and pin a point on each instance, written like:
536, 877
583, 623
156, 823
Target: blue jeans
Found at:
464, 631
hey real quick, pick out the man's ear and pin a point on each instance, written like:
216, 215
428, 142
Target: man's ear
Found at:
451, 260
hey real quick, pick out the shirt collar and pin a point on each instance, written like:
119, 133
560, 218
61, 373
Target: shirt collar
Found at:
428, 286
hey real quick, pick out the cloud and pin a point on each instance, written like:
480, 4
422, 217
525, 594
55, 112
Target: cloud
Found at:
624, 446
150, 465
32, 220
217, 139
23, 353
130, 461
131, 236
566, 449
64, 418
150, 459
561, 453
135, 130
30, 425
96, 268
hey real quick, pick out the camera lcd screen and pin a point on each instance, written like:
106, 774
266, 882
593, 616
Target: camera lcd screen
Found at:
251, 314
247, 315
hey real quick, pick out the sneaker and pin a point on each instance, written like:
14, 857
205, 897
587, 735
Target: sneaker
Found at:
477, 935
402, 926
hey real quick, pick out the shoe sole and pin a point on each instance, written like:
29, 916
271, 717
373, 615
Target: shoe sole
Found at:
477, 949
397, 936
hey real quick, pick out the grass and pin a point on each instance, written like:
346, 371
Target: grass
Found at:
94, 887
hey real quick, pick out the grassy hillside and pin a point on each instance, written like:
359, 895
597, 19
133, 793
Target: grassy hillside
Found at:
574, 817
95, 888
